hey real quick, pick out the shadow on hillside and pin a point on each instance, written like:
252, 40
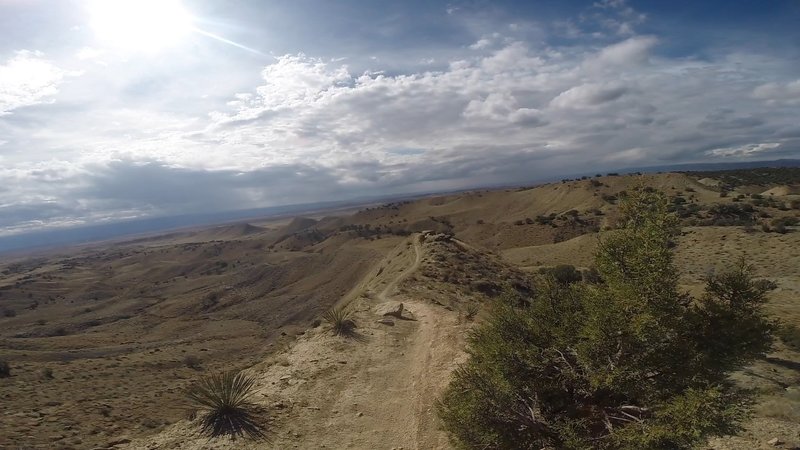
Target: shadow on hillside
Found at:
349, 332
792, 365
754, 374
406, 316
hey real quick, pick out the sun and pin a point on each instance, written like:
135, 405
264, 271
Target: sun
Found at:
139, 25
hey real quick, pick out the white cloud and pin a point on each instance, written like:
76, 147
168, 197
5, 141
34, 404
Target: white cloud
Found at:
502, 107
588, 95
619, 18
480, 44
89, 53
779, 93
488, 41
744, 150
511, 109
632, 51
28, 79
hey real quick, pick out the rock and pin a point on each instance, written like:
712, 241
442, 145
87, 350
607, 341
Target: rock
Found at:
775, 442
386, 321
360, 414
390, 309
119, 441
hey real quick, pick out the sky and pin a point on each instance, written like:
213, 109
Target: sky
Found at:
120, 109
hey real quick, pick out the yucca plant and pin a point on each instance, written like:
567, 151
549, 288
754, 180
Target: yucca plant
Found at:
471, 310
225, 406
339, 319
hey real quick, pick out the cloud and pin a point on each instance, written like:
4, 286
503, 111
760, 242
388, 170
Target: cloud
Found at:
502, 107
492, 105
28, 79
588, 95
617, 16
779, 93
632, 51
487, 41
744, 150
726, 119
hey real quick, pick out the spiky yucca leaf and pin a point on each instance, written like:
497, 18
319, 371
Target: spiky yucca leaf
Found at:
340, 321
225, 399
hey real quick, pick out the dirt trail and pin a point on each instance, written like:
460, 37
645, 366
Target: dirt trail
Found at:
390, 288
374, 392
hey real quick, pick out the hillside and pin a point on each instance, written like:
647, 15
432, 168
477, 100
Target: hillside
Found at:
125, 327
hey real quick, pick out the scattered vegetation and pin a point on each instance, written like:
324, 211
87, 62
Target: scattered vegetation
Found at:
730, 214
630, 362
340, 321
759, 176
224, 399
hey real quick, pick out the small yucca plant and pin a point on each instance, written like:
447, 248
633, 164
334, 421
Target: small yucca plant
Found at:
339, 319
225, 406
471, 310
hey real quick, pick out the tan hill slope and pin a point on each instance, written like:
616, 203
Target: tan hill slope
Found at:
116, 327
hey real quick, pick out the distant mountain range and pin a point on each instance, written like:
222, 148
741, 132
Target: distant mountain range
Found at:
90, 233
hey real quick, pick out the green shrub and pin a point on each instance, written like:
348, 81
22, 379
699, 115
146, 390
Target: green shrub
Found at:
566, 274
192, 362
727, 214
631, 363
563, 274
591, 275
339, 319
226, 409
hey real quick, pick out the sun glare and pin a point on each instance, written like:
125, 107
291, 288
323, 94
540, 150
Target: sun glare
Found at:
139, 25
